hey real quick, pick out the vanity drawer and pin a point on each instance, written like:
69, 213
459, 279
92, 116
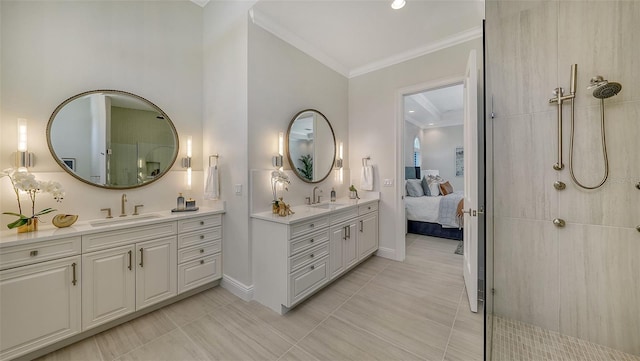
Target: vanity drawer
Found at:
199, 272
308, 226
366, 208
38, 252
342, 216
308, 279
308, 256
193, 238
202, 250
194, 224
305, 242
109, 239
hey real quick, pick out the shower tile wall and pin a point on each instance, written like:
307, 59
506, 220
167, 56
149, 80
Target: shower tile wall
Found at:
582, 280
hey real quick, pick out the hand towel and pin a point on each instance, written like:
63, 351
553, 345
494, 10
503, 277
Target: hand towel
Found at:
212, 185
366, 179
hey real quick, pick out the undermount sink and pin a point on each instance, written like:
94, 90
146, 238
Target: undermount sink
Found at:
118, 220
328, 205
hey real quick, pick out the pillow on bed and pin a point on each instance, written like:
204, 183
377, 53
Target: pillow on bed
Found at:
425, 187
446, 188
434, 187
414, 188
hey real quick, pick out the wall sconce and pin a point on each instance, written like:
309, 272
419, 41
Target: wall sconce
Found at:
339, 156
277, 160
186, 162
24, 159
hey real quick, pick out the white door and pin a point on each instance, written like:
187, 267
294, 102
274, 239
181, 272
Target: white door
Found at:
470, 234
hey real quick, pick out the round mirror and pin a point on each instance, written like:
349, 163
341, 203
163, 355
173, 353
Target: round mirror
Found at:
112, 139
311, 146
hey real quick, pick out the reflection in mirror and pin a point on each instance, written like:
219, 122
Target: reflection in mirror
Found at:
311, 146
115, 139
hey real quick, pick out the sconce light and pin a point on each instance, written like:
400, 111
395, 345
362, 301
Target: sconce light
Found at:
186, 162
24, 159
277, 160
339, 157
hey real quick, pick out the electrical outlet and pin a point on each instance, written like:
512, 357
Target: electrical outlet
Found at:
238, 189
388, 183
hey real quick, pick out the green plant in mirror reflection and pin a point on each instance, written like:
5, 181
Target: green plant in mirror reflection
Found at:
307, 166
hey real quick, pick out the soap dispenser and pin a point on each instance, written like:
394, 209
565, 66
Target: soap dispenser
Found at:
333, 195
180, 202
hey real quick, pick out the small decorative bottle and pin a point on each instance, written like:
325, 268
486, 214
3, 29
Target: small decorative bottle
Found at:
333, 195
180, 202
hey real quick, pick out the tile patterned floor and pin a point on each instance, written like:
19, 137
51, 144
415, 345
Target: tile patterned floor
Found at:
381, 310
519, 341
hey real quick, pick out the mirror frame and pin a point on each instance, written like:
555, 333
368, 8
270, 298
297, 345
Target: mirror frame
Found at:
117, 92
286, 142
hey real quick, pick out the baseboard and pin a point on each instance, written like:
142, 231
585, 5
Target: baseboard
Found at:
237, 288
389, 253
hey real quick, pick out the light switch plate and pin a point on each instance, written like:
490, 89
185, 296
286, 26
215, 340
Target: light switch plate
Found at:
388, 183
238, 189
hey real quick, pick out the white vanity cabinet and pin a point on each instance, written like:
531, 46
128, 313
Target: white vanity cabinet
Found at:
57, 284
39, 296
294, 257
123, 279
199, 251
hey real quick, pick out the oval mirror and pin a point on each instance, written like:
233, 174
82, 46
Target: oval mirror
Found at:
311, 146
112, 139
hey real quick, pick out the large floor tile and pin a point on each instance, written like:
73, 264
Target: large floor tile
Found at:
152, 325
297, 354
117, 341
230, 334
170, 347
190, 309
85, 350
338, 340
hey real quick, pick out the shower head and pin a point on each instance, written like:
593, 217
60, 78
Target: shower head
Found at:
603, 89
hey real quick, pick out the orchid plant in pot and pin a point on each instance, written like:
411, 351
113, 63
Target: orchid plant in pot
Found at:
278, 179
24, 182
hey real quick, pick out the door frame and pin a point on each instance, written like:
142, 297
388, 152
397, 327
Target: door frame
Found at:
401, 221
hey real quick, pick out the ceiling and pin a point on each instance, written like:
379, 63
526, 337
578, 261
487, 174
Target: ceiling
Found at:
435, 108
354, 37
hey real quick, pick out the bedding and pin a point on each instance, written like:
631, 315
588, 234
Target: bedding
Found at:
442, 210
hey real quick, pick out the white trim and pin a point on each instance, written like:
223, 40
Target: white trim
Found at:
444, 43
389, 253
237, 288
276, 29
263, 21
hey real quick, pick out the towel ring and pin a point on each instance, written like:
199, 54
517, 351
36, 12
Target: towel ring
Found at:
365, 161
215, 156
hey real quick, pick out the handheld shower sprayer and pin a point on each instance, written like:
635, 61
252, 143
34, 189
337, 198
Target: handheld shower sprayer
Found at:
559, 99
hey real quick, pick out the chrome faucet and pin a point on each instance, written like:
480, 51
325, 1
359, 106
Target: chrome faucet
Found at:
315, 199
123, 212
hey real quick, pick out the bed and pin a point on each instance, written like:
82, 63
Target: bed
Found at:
437, 216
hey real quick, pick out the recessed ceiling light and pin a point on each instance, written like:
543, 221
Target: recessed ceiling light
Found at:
431, 123
412, 111
398, 4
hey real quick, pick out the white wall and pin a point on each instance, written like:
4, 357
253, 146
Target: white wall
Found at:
52, 50
283, 81
373, 117
580, 280
438, 152
225, 127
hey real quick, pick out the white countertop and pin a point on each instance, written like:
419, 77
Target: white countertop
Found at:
304, 212
48, 231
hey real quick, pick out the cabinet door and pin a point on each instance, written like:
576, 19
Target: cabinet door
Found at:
367, 235
109, 285
157, 271
336, 255
351, 245
40, 304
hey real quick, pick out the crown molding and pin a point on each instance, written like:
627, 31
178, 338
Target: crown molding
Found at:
201, 3
271, 26
449, 41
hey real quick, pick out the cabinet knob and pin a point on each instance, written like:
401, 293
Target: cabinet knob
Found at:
311, 225
202, 236
202, 251
311, 240
313, 267
33, 253
369, 207
201, 261
311, 255
202, 223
